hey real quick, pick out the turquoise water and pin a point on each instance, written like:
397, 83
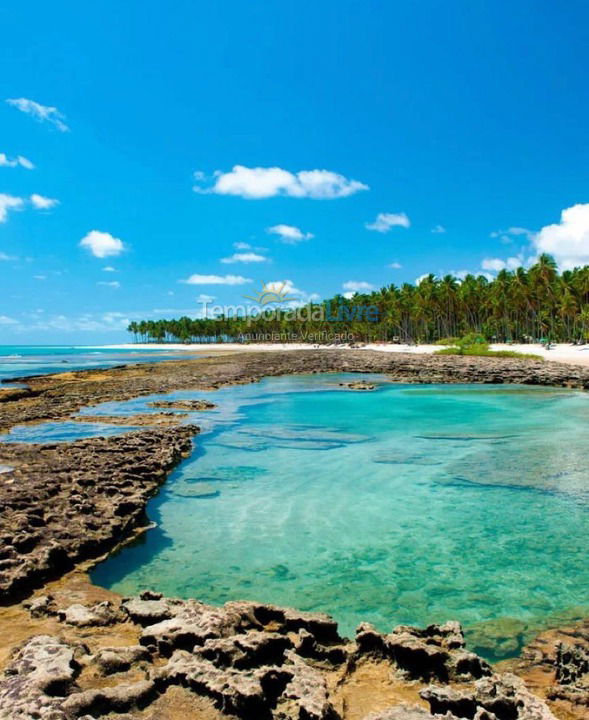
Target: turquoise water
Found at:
20, 360
409, 504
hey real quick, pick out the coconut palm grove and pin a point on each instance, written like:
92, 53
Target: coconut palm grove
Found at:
522, 305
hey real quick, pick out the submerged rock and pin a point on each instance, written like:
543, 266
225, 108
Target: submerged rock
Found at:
189, 405
359, 385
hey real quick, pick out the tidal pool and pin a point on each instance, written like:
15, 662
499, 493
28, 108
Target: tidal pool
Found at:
408, 504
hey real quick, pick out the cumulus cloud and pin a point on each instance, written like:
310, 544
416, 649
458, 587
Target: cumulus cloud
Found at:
395, 266
42, 113
19, 160
497, 264
242, 246
40, 202
112, 284
289, 234
39, 277
7, 203
108, 268
197, 279
438, 229
568, 240
247, 257
354, 286
265, 182
206, 299
102, 244
385, 221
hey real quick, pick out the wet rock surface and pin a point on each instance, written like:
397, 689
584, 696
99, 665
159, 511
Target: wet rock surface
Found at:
248, 661
146, 419
64, 503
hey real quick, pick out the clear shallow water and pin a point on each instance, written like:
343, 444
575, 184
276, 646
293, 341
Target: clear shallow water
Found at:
21, 360
409, 504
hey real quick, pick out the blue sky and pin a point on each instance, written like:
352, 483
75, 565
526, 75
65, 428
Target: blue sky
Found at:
469, 118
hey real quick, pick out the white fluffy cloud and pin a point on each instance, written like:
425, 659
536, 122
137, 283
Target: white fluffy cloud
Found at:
102, 244
19, 160
244, 257
354, 286
242, 246
438, 229
197, 279
497, 264
395, 266
7, 203
112, 284
385, 221
206, 299
42, 113
289, 234
108, 268
40, 202
568, 240
265, 182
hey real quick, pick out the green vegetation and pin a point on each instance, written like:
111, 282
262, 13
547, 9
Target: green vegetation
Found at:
484, 351
525, 305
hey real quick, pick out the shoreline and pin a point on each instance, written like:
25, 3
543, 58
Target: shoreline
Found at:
559, 352
57, 533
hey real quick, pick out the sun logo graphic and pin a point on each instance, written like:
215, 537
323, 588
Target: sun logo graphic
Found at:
269, 295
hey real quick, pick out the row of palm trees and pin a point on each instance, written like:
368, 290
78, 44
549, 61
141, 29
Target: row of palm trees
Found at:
519, 305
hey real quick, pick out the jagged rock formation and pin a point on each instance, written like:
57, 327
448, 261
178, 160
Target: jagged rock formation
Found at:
251, 661
556, 664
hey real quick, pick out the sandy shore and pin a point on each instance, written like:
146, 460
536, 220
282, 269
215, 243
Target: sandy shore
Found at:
563, 352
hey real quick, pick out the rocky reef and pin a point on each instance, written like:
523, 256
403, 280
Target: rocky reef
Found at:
57, 397
247, 661
63, 503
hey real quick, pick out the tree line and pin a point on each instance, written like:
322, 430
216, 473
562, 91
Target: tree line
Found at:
522, 305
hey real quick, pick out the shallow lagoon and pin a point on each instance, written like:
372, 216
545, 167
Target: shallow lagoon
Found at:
408, 504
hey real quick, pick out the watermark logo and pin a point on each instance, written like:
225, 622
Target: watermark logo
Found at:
268, 295
273, 304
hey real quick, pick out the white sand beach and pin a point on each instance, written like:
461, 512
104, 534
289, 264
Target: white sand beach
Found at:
563, 352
